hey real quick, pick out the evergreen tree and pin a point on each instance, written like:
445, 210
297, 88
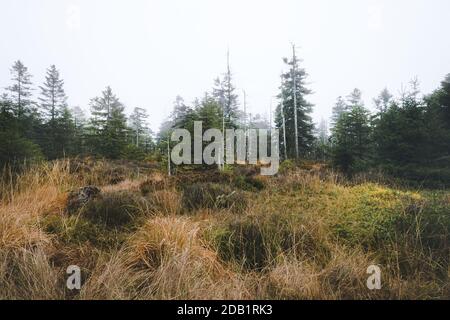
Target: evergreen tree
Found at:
182, 115
305, 125
400, 134
21, 90
65, 135
57, 142
14, 147
351, 136
339, 108
53, 98
321, 141
383, 101
79, 126
107, 127
224, 93
139, 126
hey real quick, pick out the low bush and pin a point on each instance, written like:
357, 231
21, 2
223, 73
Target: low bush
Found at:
114, 209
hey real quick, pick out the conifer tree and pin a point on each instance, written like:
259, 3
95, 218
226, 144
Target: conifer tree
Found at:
20, 90
305, 125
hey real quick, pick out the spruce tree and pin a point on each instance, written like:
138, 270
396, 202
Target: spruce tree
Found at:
305, 125
139, 126
20, 90
351, 136
225, 96
53, 98
383, 101
339, 108
56, 115
107, 127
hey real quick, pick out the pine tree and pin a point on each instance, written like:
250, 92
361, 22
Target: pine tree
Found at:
339, 108
21, 90
14, 147
107, 127
65, 134
305, 125
383, 101
351, 136
181, 114
138, 124
322, 141
400, 134
224, 93
53, 98
79, 125
57, 116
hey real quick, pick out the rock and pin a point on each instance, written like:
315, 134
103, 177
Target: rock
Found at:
80, 197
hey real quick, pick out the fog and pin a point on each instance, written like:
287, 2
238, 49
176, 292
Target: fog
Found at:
151, 51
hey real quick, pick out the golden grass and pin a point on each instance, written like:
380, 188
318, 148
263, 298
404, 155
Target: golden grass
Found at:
319, 233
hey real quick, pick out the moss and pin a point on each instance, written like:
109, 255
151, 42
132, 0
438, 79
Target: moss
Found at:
368, 215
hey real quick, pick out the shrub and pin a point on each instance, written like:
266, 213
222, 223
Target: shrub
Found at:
114, 209
212, 196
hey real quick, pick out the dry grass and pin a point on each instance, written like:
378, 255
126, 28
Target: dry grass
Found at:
307, 235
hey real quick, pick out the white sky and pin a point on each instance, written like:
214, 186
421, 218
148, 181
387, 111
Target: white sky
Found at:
150, 51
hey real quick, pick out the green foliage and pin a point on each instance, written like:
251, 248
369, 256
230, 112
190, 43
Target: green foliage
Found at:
132, 152
224, 94
107, 128
412, 138
305, 125
351, 136
15, 150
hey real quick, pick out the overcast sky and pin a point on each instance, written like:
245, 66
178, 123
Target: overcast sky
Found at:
151, 51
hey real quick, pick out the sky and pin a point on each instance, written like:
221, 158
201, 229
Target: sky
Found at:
151, 51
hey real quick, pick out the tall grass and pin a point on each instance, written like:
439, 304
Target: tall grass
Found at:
308, 234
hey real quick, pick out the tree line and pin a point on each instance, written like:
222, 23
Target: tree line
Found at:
47, 128
407, 136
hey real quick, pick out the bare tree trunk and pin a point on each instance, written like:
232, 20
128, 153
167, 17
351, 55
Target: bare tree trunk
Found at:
294, 65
